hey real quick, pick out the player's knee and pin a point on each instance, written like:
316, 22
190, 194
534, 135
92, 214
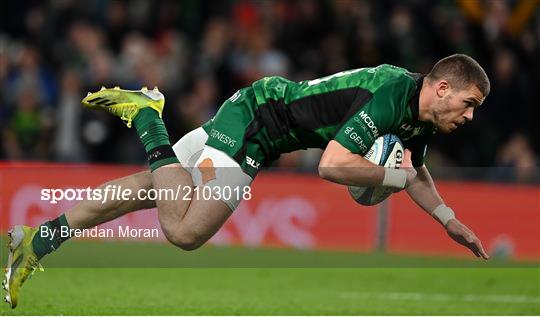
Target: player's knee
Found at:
188, 242
185, 241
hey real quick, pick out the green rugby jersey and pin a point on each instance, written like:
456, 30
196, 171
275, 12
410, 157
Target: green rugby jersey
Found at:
352, 107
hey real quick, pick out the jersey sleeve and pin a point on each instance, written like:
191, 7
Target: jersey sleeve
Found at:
379, 116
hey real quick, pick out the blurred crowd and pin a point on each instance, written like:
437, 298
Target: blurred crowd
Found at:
200, 52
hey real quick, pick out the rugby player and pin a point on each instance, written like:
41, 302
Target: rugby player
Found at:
343, 113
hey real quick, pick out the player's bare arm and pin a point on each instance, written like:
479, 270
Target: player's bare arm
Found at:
339, 165
422, 190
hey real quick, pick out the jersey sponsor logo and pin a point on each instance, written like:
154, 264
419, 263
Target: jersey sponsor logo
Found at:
408, 131
356, 138
365, 128
222, 137
251, 162
369, 122
407, 127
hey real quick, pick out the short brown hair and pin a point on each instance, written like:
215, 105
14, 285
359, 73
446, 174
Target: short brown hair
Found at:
460, 71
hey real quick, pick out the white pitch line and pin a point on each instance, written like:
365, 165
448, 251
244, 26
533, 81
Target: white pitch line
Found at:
441, 297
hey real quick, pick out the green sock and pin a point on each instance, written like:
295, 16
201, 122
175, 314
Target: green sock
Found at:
154, 137
50, 236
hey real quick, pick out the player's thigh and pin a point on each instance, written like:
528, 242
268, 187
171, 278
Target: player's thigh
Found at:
221, 185
203, 219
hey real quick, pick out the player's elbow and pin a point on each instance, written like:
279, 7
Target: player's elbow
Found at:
334, 158
324, 173
336, 162
327, 170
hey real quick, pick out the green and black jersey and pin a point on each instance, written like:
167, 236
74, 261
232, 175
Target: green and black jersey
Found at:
353, 107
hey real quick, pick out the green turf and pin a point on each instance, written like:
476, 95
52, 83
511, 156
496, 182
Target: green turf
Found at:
438, 287
88, 254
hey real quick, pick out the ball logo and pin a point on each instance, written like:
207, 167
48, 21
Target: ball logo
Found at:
399, 157
390, 155
372, 153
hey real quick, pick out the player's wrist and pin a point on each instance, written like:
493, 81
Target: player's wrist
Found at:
443, 214
395, 178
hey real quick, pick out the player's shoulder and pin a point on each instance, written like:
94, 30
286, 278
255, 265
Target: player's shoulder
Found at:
394, 82
396, 90
395, 76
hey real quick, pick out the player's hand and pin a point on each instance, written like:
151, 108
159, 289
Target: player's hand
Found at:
464, 236
411, 175
408, 167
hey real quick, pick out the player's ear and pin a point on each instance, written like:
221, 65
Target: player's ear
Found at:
442, 87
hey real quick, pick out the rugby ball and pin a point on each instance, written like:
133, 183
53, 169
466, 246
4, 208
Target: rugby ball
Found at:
387, 151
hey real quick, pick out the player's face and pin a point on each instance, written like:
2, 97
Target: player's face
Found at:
456, 107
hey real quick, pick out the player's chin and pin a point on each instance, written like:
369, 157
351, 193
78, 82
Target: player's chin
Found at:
447, 128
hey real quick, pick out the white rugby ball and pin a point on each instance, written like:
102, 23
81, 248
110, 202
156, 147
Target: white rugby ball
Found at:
387, 151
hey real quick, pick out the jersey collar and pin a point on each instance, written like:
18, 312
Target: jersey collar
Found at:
415, 99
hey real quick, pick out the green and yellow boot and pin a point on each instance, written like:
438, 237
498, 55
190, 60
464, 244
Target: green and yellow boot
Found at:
125, 104
22, 262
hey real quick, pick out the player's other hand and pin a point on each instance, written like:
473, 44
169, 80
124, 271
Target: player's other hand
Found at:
464, 236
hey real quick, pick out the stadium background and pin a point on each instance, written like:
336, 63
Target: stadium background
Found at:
199, 53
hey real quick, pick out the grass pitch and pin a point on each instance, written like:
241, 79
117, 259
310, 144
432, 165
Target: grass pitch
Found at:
86, 278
